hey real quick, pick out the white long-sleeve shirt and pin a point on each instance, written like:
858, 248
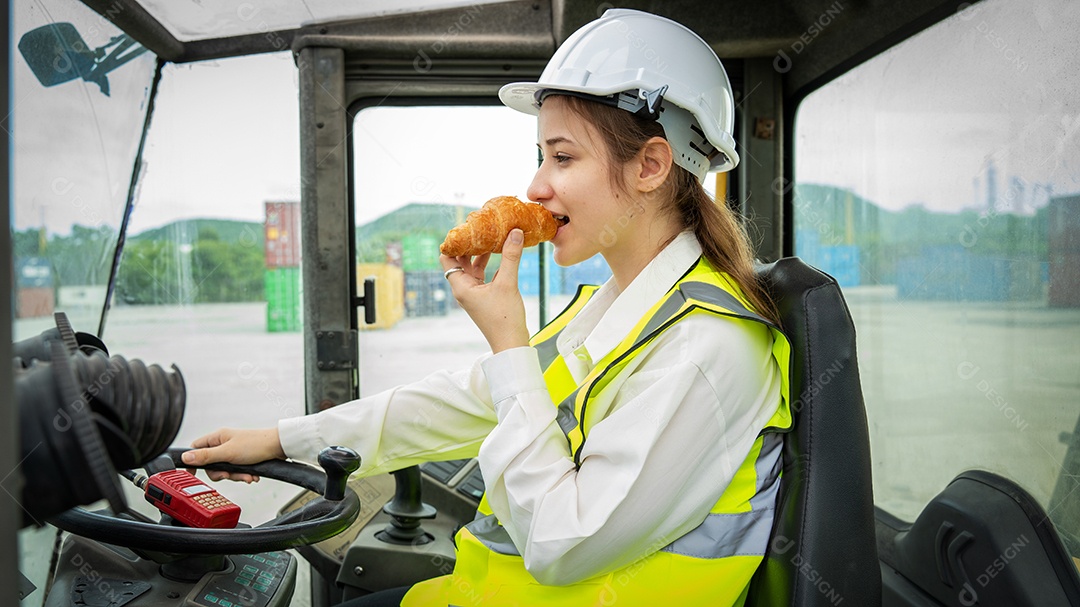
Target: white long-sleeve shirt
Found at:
674, 432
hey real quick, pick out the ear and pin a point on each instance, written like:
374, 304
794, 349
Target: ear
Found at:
652, 164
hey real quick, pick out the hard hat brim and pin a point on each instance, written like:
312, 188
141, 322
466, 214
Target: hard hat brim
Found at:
521, 96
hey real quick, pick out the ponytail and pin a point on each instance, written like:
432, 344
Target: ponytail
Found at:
723, 238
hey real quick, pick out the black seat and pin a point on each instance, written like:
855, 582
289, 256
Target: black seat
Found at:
822, 550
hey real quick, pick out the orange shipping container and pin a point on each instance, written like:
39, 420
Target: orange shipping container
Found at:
35, 302
282, 235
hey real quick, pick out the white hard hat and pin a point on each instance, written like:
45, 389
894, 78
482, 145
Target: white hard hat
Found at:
632, 60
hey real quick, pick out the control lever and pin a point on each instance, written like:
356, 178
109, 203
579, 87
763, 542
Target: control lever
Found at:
406, 510
339, 463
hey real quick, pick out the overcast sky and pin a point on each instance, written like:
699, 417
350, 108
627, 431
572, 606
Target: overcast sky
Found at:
224, 137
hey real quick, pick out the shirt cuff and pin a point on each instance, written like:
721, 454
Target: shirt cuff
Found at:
512, 372
299, 437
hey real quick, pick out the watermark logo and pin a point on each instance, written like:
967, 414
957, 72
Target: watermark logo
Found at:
423, 61
968, 370
781, 545
968, 596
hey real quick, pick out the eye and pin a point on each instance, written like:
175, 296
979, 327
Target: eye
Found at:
561, 158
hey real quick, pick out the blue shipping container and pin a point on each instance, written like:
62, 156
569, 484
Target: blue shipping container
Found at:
953, 274
529, 271
592, 271
426, 293
842, 262
33, 272
807, 244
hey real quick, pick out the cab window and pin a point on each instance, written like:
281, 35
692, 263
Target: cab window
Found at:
209, 277
939, 184
74, 134
419, 171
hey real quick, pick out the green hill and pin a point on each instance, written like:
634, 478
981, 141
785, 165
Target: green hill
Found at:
828, 216
371, 238
413, 218
188, 230
839, 216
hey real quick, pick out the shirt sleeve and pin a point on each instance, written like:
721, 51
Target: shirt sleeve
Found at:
443, 416
650, 471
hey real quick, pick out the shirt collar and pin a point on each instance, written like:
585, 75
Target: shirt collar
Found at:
610, 315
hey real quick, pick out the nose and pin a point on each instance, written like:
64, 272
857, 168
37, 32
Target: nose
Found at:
540, 189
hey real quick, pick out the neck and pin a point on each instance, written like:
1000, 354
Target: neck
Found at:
626, 262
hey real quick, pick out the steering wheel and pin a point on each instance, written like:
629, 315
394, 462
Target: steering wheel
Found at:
319, 519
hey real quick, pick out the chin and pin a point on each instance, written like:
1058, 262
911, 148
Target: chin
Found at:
567, 257
559, 254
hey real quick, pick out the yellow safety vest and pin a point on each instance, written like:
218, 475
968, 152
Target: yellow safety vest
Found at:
710, 565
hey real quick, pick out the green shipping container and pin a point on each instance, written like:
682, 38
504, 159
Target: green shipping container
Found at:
284, 308
420, 252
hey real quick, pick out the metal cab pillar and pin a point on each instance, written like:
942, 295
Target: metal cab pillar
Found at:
330, 352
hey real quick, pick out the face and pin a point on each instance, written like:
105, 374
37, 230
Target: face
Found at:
574, 180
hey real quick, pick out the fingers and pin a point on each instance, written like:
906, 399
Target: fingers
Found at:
473, 266
218, 475
206, 455
511, 257
480, 264
213, 439
213, 447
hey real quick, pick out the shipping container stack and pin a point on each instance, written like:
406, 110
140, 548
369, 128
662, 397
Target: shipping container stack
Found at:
841, 261
592, 271
954, 273
36, 290
529, 272
1063, 246
284, 309
807, 245
426, 291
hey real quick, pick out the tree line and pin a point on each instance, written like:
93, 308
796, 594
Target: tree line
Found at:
203, 269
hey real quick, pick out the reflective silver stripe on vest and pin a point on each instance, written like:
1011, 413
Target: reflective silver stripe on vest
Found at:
565, 416
700, 291
547, 351
493, 535
718, 536
768, 466
744, 533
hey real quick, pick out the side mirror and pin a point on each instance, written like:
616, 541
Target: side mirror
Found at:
56, 54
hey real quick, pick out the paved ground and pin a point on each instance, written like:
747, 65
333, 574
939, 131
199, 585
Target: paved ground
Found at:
949, 387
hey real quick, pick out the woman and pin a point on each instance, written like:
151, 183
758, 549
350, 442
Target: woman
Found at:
630, 448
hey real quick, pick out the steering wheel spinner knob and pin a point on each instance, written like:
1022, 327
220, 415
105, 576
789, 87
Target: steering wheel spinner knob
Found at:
339, 463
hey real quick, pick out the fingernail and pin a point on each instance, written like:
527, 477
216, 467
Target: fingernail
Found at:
188, 457
517, 236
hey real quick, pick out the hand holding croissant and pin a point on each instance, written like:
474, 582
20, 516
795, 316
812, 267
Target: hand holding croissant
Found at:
485, 230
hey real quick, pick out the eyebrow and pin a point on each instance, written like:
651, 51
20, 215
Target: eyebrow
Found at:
557, 140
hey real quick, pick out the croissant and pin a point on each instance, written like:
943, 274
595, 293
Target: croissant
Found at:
485, 230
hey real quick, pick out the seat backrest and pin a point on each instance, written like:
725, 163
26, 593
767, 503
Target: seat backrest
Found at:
822, 551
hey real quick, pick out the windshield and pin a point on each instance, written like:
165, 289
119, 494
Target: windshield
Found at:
74, 143
80, 96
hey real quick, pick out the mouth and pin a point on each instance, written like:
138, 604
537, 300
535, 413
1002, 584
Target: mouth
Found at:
561, 219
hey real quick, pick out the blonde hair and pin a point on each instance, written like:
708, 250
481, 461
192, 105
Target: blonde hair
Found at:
723, 239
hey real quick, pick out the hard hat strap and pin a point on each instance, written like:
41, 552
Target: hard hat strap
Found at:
639, 102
